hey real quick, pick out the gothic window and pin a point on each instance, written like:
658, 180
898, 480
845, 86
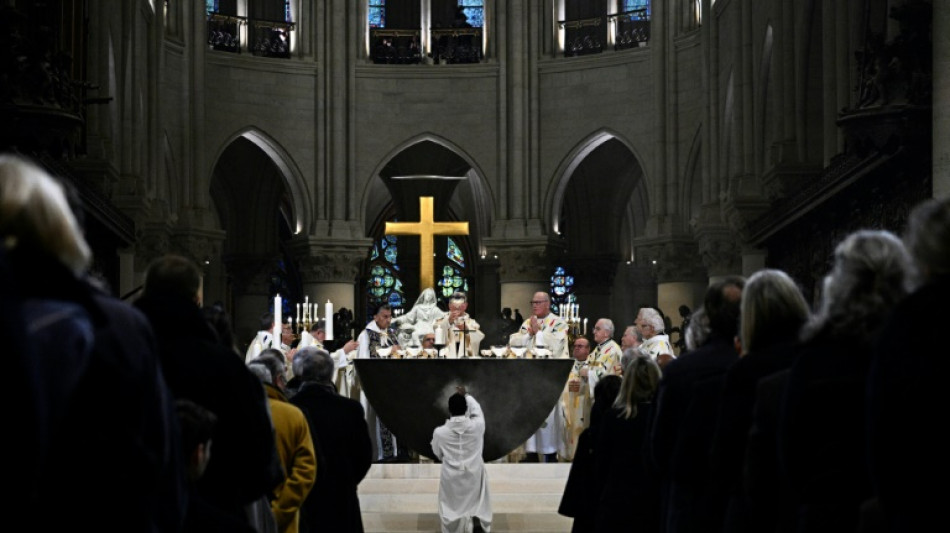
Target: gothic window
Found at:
562, 290
453, 277
631, 5
475, 11
211, 6
384, 285
377, 13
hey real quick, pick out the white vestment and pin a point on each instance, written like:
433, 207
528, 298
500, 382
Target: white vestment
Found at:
472, 337
463, 483
372, 421
552, 336
260, 342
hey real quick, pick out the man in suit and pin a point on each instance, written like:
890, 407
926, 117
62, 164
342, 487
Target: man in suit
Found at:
344, 451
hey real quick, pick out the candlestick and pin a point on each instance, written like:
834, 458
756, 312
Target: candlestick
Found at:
328, 316
278, 324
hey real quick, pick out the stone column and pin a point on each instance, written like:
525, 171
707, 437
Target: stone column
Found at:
330, 272
250, 279
681, 279
523, 270
941, 99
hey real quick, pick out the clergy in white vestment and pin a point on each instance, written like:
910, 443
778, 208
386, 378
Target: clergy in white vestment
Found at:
378, 334
345, 375
264, 339
544, 329
463, 483
576, 400
655, 342
606, 358
461, 332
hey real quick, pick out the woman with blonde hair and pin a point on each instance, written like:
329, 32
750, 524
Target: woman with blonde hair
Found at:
620, 461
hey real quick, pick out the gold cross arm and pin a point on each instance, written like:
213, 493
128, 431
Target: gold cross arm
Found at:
426, 229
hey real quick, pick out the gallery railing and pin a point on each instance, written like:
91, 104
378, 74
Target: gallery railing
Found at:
394, 46
456, 45
631, 29
584, 36
270, 38
224, 32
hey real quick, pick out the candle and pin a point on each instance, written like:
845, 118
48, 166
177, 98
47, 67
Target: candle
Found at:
298, 313
314, 315
328, 316
585, 327
278, 324
439, 336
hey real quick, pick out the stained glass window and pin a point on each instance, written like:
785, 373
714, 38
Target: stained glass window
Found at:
562, 289
287, 15
630, 5
384, 284
452, 280
475, 11
377, 13
211, 6
454, 253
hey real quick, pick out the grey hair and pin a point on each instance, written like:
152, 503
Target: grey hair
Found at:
259, 369
698, 330
609, 324
34, 211
458, 296
871, 273
313, 364
928, 238
652, 317
773, 310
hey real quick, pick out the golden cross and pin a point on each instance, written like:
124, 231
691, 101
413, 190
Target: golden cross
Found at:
426, 229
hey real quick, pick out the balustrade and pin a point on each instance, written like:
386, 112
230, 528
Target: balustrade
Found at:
456, 45
631, 29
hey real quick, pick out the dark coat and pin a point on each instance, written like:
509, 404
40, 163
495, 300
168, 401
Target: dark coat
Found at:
109, 435
197, 367
631, 493
732, 430
344, 456
822, 435
682, 427
907, 396
577, 501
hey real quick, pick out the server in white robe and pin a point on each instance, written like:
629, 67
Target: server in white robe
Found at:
463, 483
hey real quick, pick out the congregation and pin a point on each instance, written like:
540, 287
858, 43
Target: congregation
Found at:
765, 416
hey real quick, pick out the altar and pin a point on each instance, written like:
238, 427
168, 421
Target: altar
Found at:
411, 396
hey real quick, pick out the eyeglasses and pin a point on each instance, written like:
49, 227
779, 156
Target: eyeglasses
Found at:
538, 302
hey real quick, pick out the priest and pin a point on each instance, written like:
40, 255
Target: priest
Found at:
379, 334
576, 400
345, 376
543, 329
461, 333
265, 337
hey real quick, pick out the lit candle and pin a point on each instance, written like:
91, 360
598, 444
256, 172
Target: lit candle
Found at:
585, 327
439, 336
328, 316
298, 313
314, 315
278, 324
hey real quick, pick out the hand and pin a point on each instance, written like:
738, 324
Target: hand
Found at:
534, 326
350, 346
460, 389
574, 385
584, 372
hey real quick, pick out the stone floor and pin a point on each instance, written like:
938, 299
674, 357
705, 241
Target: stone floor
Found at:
404, 497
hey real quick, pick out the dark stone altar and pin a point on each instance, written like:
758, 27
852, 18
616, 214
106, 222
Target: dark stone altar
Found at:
411, 396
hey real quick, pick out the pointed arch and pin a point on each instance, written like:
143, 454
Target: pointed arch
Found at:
300, 198
473, 200
554, 198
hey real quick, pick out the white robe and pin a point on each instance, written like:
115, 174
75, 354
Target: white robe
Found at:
463, 483
372, 421
473, 337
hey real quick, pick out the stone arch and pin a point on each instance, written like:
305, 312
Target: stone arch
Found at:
472, 201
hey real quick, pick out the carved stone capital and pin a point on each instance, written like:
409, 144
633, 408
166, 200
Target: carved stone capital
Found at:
720, 250
671, 258
152, 240
330, 261
525, 261
201, 246
250, 273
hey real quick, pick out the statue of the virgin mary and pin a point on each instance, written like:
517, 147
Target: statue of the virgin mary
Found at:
412, 326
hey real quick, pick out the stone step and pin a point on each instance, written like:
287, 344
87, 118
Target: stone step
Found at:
404, 497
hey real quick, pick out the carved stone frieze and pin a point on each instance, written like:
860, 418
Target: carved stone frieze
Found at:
152, 240
720, 250
201, 246
326, 261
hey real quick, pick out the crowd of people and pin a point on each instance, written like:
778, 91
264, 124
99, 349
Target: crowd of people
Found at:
771, 416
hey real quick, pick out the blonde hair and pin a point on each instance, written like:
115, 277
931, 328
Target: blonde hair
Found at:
34, 213
641, 376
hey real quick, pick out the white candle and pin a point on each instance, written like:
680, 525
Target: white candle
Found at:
278, 324
328, 316
585, 327
439, 336
298, 313
314, 315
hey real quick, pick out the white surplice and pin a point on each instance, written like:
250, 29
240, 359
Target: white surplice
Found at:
463, 483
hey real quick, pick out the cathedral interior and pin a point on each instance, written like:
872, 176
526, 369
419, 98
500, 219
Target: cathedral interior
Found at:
619, 153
